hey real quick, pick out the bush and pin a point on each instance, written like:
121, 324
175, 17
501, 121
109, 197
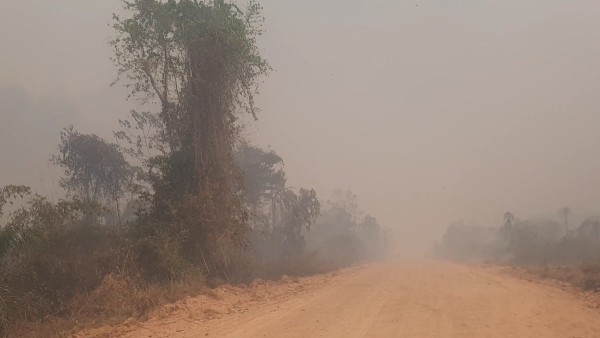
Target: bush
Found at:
63, 267
57, 264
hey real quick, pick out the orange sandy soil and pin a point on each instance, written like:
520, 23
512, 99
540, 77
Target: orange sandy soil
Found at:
392, 299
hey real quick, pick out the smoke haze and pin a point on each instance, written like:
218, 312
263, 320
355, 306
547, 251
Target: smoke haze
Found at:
430, 111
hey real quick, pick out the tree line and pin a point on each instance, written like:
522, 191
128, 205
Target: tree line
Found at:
526, 242
178, 199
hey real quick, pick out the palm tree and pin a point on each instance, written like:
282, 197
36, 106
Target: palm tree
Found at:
509, 220
565, 212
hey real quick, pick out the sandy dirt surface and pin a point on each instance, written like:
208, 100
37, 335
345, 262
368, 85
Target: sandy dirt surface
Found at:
395, 299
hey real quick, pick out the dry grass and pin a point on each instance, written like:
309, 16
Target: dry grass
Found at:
118, 299
585, 277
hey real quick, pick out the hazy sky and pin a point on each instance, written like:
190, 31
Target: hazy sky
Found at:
429, 110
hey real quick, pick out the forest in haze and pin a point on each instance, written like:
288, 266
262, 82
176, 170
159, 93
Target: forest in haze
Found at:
178, 200
553, 247
170, 161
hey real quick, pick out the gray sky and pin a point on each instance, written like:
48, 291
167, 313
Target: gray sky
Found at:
429, 110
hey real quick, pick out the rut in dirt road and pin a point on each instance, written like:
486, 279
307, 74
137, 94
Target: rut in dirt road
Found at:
430, 299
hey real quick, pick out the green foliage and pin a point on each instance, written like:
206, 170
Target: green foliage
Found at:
198, 188
184, 52
95, 171
4, 310
9, 236
160, 259
10, 192
262, 173
53, 255
153, 44
61, 256
140, 135
200, 60
299, 213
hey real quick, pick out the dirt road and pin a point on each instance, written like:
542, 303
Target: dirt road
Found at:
400, 299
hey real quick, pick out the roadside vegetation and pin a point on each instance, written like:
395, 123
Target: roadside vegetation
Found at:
178, 201
553, 248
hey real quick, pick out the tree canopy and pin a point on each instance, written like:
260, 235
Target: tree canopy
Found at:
95, 171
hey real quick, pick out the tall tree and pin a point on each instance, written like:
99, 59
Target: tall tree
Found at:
507, 227
565, 213
198, 60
